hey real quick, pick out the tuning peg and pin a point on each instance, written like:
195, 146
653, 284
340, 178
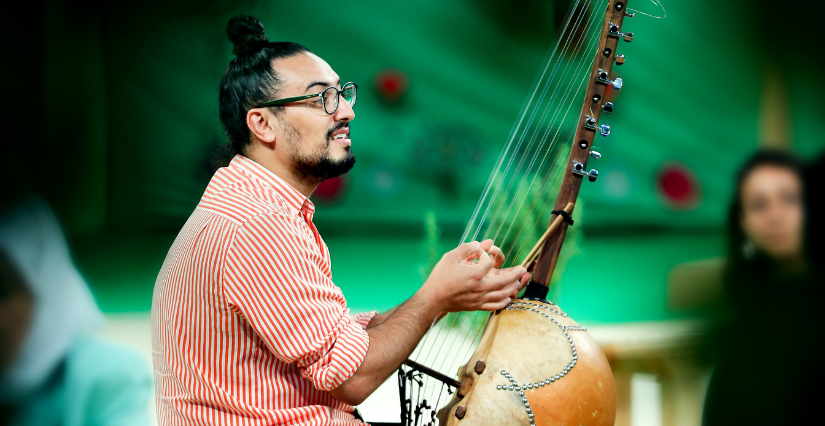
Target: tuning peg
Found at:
613, 31
596, 154
590, 123
578, 169
603, 78
607, 107
592, 175
619, 59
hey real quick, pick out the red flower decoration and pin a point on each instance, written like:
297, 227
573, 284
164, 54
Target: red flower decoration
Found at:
678, 186
330, 190
391, 84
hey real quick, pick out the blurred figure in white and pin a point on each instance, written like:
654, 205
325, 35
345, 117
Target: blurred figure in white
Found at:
52, 372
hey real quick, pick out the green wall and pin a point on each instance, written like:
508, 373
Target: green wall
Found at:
131, 90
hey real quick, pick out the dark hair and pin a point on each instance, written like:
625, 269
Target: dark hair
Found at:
752, 273
249, 78
815, 178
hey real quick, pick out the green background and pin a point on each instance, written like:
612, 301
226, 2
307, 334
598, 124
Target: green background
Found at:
129, 125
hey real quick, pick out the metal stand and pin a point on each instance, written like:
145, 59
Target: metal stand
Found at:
414, 410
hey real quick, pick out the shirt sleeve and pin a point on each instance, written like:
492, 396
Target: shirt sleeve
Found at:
272, 276
364, 318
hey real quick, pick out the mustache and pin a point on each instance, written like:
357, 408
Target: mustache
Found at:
336, 128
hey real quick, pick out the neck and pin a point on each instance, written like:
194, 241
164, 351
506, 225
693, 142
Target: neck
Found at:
283, 171
793, 264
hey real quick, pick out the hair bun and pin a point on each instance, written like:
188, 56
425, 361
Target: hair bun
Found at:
246, 34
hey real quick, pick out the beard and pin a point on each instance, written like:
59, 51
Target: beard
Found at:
319, 166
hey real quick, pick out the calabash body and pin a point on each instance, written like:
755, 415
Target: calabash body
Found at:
539, 367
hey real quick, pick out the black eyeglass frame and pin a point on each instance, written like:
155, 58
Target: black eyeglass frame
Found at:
321, 94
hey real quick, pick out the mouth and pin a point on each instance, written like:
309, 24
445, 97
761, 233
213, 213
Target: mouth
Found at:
341, 136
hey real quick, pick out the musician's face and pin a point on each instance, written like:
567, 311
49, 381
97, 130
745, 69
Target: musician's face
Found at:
317, 144
772, 211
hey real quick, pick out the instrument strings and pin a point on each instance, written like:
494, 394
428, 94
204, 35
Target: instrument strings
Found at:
522, 195
655, 2
533, 153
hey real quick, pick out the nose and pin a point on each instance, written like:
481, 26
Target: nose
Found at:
344, 111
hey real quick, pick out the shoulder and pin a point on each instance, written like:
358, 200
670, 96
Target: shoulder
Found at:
276, 230
240, 197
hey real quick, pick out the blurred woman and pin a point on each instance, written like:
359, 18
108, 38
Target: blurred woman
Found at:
766, 227
52, 371
761, 376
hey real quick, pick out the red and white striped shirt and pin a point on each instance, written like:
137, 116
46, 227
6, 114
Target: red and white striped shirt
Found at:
248, 327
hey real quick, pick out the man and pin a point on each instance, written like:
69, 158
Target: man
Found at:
248, 327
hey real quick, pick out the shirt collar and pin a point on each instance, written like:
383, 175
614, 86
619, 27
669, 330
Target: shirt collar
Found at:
294, 198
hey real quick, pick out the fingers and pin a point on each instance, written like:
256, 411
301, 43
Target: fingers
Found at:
501, 304
465, 251
485, 264
499, 299
466, 254
525, 279
502, 294
497, 255
504, 278
495, 252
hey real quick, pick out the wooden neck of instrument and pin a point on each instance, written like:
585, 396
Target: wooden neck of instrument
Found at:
582, 142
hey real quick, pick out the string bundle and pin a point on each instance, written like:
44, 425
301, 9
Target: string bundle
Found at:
518, 187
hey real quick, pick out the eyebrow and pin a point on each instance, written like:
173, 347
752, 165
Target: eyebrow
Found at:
321, 83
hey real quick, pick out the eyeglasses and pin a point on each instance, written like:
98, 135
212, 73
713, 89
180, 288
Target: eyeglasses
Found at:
329, 96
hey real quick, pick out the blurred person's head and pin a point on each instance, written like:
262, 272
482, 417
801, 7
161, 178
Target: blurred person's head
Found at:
16, 303
766, 222
299, 139
45, 302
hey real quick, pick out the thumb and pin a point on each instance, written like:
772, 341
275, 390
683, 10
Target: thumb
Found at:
484, 262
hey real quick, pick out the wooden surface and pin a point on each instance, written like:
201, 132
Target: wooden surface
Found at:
571, 183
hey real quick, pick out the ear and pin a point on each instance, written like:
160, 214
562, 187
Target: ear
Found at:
262, 124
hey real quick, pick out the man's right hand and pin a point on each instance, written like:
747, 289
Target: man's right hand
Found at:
465, 279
